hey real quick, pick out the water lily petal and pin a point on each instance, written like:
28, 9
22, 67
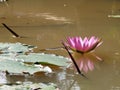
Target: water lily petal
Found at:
83, 45
71, 42
78, 44
91, 41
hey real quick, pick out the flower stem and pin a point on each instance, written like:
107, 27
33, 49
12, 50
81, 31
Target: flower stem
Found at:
10, 30
73, 60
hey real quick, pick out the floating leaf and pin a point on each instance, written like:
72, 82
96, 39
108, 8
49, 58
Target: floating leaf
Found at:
15, 47
19, 67
20, 63
38, 58
13, 62
44, 58
30, 86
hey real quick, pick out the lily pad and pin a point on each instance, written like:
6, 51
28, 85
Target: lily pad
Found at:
39, 58
15, 47
31, 86
16, 67
44, 58
13, 62
27, 63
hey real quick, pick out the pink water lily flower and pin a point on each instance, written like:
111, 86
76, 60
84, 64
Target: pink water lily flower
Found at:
83, 45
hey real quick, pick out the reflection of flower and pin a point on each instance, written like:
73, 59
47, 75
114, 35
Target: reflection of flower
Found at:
85, 64
83, 45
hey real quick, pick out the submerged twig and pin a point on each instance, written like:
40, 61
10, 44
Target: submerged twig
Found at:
73, 60
10, 30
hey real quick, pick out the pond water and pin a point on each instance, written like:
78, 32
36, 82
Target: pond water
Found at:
44, 23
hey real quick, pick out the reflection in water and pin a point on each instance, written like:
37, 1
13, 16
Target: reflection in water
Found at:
3, 78
86, 62
115, 12
66, 81
47, 16
3, 1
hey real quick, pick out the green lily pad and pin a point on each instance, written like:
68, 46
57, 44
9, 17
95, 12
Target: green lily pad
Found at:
27, 63
13, 62
39, 58
16, 67
31, 86
15, 47
44, 58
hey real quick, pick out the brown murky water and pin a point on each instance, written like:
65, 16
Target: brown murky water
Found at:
45, 23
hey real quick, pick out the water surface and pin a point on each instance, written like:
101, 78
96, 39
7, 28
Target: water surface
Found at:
44, 23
